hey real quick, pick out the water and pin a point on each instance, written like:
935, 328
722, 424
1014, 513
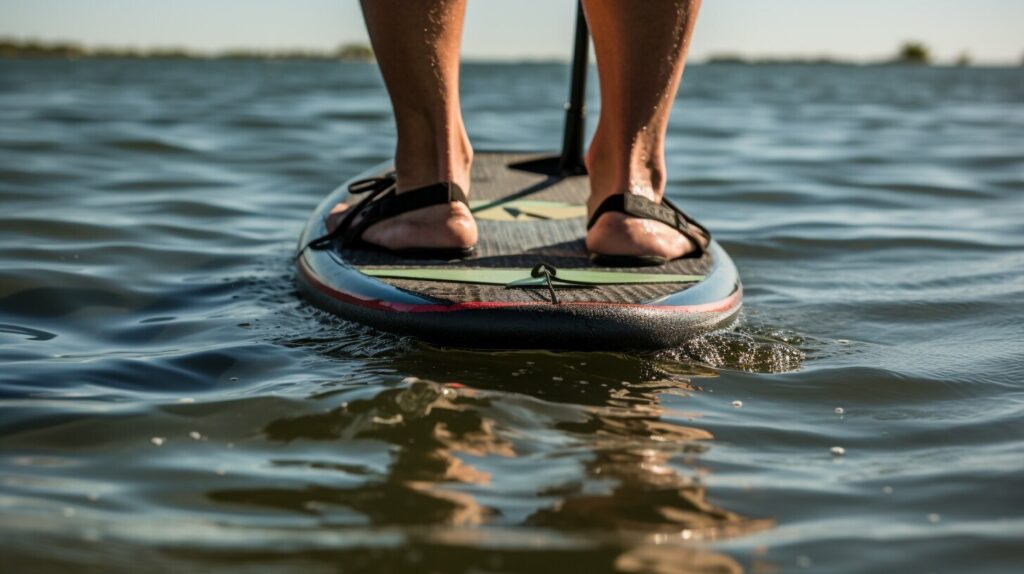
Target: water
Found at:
168, 401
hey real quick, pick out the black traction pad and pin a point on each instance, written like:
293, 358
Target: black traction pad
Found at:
524, 219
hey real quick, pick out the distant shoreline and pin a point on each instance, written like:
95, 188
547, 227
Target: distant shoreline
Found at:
28, 49
10, 48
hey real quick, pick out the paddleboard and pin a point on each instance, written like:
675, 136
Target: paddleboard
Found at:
530, 283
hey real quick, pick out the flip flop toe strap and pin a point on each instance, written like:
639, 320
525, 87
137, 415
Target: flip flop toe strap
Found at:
666, 212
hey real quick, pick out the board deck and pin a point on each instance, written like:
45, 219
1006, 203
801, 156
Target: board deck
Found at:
525, 219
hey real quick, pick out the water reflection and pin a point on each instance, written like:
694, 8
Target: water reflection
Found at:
622, 473
426, 426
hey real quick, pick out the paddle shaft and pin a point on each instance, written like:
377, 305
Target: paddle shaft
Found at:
571, 162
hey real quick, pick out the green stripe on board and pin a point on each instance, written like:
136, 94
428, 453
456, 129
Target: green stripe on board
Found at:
505, 276
526, 210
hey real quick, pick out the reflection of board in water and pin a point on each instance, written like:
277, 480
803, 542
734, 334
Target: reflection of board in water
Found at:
433, 427
496, 298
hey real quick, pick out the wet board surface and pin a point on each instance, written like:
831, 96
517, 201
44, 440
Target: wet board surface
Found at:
492, 300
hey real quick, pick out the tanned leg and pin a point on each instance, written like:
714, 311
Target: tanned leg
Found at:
417, 43
641, 48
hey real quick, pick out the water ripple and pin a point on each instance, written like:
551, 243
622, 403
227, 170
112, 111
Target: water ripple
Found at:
165, 393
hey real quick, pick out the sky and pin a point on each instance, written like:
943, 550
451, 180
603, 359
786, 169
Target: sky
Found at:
991, 31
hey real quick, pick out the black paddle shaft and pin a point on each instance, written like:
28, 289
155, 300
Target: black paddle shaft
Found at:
571, 162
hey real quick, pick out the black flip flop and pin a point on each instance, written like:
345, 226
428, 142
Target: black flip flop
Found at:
384, 202
666, 212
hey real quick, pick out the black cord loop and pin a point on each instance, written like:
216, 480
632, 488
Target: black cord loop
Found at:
548, 272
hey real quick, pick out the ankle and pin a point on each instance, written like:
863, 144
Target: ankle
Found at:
636, 168
427, 155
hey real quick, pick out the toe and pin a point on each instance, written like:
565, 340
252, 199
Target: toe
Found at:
334, 217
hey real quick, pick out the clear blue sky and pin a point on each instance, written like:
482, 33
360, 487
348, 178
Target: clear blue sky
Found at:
991, 30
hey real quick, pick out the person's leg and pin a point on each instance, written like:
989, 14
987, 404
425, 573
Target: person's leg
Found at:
416, 44
641, 50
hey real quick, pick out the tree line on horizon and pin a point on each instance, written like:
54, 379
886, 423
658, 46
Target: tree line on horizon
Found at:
911, 53
11, 48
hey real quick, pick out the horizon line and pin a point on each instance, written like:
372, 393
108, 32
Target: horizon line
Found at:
325, 53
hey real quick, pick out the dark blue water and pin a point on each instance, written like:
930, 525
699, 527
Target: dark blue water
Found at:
167, 402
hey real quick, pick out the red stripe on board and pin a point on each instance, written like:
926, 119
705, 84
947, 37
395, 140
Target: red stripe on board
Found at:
712, 307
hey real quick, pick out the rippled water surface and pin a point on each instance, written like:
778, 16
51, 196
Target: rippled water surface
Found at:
167, 400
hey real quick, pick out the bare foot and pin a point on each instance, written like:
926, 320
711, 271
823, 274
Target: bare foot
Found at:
617, 233
621, 234
449, 225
